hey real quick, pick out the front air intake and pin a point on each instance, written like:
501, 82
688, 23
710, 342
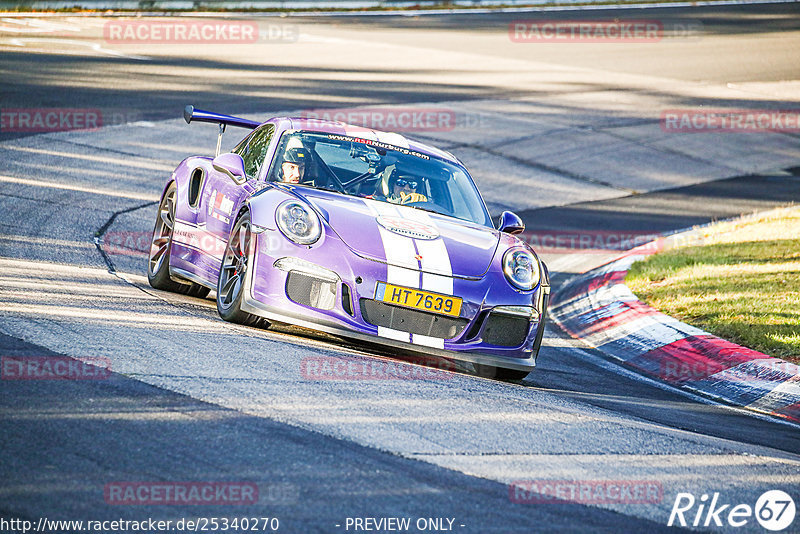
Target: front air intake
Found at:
412, 321
506, 330
309, 290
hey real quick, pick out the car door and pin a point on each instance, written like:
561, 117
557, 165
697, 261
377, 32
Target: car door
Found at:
223, 197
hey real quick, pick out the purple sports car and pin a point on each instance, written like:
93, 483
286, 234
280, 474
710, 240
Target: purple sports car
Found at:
354, 232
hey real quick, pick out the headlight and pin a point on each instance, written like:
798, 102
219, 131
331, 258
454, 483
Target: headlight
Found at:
298, 223
521, 268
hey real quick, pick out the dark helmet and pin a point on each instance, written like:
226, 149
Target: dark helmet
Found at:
300, 156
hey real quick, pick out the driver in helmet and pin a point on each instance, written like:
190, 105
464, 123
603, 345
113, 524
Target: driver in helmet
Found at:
294, 164
403, 188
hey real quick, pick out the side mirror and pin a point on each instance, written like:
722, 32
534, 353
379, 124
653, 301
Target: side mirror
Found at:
232, 165
510, 223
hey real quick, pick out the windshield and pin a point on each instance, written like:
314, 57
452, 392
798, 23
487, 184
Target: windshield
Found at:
371, 169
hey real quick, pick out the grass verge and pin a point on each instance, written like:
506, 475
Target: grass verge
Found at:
741, 284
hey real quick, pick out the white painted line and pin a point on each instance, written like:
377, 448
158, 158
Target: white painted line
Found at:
36, 26
141, 164
9, 29
776, 399
83, 189
646, 333
23, 41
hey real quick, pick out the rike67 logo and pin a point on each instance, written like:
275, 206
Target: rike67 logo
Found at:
774, 510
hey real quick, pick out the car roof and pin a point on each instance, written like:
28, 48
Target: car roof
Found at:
350, 130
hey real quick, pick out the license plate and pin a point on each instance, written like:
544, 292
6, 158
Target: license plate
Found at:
418, 299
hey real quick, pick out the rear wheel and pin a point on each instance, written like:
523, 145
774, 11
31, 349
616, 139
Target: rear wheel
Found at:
233, 273
500, 373
161, 246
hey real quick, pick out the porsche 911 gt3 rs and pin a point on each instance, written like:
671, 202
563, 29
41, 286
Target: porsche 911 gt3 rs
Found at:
354, 232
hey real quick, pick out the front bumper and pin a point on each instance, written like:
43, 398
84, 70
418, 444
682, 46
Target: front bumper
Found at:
346, 306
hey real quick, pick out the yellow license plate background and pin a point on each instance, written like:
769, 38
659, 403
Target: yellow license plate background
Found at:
421, 300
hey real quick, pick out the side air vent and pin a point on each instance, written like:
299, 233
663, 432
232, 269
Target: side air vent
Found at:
195, 185
347, 300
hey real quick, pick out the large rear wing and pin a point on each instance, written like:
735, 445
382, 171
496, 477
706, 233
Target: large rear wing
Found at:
198, 115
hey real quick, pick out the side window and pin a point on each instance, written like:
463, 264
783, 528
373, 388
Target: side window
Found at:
243, 145
254, 149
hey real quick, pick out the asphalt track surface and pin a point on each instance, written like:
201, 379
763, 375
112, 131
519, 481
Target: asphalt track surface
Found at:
195, 399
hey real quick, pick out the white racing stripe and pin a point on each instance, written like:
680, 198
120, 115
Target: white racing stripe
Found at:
434, 258
398, 250
403, 251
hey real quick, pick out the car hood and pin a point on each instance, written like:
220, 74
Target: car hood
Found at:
408, 237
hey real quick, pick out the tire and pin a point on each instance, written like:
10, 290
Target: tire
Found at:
196, 290
232, 274
500, 373
161, 247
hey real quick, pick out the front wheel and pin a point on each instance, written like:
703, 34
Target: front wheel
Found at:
500, 373
233, 273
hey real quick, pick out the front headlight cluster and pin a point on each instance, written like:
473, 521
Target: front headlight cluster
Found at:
298, 223
521, 268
